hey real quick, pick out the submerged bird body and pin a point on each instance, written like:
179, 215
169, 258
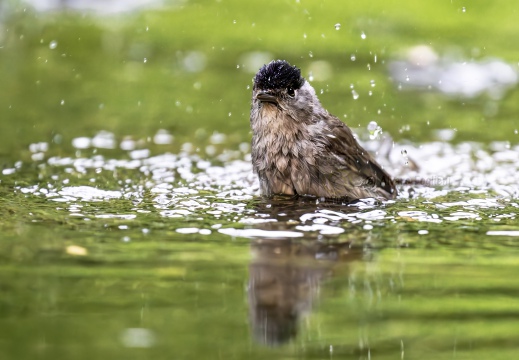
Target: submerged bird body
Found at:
298, 148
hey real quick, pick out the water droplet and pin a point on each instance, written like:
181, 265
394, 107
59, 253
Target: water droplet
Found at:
304, 36
337, 26
372, 126
234, 21
374, 130
147, 28
353, 57
516, 132
370, 93
407, 78
237, 66
404, 152
230, 114
355, 95
363, 36
463, 9
311, 54
369, 66
62, 102
53, 44
310, 76
145, 60
322, 91
372, 83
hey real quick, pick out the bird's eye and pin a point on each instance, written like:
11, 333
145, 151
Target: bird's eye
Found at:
291, 92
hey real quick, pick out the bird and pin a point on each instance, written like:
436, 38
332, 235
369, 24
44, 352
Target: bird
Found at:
299, 149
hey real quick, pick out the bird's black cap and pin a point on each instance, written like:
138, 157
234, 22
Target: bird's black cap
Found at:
278, 74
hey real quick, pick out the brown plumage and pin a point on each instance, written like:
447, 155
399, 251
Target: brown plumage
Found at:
299, 148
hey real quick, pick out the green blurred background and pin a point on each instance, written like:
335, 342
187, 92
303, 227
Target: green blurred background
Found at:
183, 67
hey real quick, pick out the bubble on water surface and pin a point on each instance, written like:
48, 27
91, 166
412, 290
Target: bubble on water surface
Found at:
85, 193
104, 140
513, 233
322, 229
187, 230
162, 137
39, 147
127, 144
252, 233
81, 142
138, 338
139, 154
218, 138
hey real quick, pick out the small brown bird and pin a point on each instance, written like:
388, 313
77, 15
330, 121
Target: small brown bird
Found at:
299, 148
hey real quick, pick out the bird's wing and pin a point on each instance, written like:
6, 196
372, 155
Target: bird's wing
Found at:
351, 169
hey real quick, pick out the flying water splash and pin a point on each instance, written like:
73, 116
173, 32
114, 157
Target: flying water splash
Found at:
221, 194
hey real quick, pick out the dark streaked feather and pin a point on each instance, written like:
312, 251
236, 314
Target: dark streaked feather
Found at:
348, 163
278, 74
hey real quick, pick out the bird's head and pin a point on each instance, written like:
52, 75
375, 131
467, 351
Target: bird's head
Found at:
280, 86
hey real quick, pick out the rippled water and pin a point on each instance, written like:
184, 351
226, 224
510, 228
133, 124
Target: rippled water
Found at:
375, 273
467, 181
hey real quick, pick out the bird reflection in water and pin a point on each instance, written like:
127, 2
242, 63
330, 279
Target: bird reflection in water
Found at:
285, 275
284, 282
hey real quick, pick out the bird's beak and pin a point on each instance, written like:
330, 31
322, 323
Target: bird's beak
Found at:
264, 96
